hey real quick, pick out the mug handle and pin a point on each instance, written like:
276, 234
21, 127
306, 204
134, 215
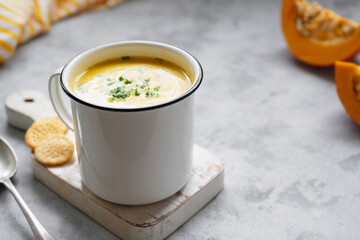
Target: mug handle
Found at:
57, 101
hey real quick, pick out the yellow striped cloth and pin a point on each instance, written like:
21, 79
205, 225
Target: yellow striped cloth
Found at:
21, 20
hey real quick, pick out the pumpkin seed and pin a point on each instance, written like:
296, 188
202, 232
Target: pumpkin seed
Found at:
321, 24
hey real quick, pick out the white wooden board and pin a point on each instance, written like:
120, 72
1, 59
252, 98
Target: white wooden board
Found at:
151, 221
23, 107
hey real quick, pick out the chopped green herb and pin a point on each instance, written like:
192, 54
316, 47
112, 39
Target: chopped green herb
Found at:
120, 93
157, 88
125, 58
159, 59
127, 81
145, 83
110, 82
136, 92
149, 94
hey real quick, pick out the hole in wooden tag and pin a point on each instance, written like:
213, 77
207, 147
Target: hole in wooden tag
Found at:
28, 100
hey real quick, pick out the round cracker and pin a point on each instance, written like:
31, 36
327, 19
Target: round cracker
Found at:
38, 131
56, 121
55, 150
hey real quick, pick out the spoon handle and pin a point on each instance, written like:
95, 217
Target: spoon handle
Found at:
38, 230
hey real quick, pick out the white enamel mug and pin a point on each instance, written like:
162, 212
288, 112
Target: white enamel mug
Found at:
130, 156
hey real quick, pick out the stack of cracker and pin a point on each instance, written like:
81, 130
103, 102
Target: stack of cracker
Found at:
47, 138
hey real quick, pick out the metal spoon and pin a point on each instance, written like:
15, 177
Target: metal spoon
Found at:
8, 167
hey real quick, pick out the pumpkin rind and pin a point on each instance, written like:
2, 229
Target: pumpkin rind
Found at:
311, 52
344, 79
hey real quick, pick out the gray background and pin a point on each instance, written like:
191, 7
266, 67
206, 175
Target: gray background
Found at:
291, 153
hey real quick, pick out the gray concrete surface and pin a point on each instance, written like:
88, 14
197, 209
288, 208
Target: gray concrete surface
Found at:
292, 155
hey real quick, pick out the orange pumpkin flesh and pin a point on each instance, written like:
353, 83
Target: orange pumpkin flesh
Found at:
316, 35
347, 79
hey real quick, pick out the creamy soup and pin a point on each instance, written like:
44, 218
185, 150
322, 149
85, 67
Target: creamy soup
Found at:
131, 82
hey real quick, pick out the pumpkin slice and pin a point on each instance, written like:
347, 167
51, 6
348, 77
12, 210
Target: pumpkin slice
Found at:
316, 35
347, 79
